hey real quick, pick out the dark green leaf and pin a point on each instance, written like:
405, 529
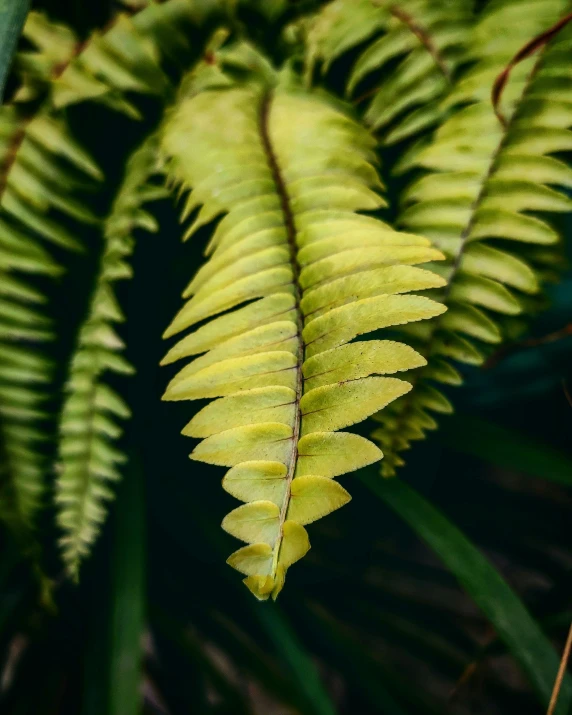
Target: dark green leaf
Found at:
491, 593
506, 448
298, 661
128, 598
12, 16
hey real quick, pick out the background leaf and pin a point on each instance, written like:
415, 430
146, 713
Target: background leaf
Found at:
374, 620
128, 607
489, 590
297, 660
12, 16
506, 448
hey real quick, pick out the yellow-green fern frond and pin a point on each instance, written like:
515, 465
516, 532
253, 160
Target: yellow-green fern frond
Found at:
88, 459
408, 53
294, 275
482, 203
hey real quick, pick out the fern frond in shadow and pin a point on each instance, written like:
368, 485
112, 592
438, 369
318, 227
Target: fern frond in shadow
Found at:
407, 57
42, 173
32, 164
481, 203
88, 457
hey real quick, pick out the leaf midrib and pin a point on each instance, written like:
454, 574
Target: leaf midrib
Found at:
290, 226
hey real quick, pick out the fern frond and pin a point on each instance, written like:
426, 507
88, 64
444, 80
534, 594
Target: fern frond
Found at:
481, 203
104, 68
88, 459
407, 56
37, 166
294, 275
124, 59
53, 46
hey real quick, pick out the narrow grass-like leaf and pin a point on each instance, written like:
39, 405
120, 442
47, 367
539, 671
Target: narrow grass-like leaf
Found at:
128, 597
12, 16
506, 612
296, 659
506, 448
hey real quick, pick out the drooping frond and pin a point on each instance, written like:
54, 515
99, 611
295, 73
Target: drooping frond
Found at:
294, 275
481, 203
88, 459
407, 56
48, 164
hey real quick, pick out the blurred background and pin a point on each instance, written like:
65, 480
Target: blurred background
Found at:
373, 620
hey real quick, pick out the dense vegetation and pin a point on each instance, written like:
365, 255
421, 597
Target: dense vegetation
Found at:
374, 199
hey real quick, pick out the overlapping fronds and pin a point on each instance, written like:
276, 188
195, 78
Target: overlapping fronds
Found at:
481, 203
294, 275
407, 56
42, 172
49, 168
88, 459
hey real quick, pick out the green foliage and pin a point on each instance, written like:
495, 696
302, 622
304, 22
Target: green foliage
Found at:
291, 243
42, 169
12, 17
489, 590
88, 459
122, 59
407, 58
38, 154
479, 199
289, 175
35, 156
